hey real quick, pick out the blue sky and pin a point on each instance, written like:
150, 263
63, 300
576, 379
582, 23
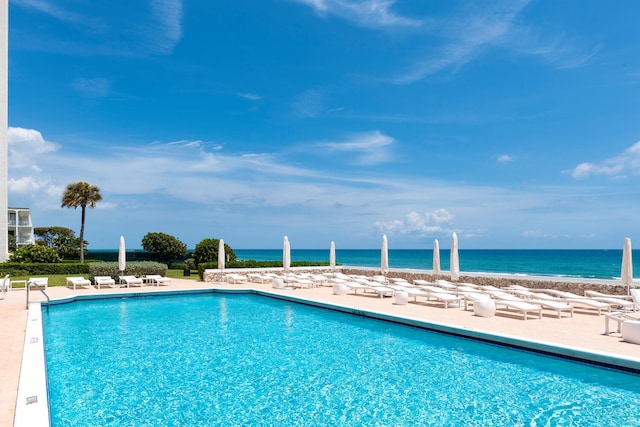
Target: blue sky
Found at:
513, 123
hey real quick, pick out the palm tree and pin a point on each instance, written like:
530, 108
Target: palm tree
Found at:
81, 194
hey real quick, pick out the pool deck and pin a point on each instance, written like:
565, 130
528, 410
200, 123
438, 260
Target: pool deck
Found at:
583, 333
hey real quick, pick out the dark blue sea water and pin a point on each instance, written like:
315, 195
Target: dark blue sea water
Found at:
588, 263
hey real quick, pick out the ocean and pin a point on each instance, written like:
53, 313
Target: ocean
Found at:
584, 263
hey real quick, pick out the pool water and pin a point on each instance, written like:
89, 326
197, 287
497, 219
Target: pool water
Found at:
216, 359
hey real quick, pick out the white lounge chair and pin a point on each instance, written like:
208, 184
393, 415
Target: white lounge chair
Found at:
512, 302
620, 316
320, 280
78, 281
234, 278
42, 282
557, 304
523, 307
261, 278
158, 279
299, 281
5, 285
382, 291
445, 284
473, 297
131, 281
355, 286
103, 281
412, 291
615, 301
442, 295
574, 299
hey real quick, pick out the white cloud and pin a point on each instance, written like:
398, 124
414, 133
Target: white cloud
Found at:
504, 158
209, 187
370, 148
428, 224
367, 13
25, 147
627, 163
27, 184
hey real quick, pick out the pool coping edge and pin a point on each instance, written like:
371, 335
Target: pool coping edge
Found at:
32, 403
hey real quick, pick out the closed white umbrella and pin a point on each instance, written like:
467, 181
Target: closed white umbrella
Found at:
384, 255
122, 256
221, 255
627, 265
454, 262
436, 257
332, 256
286, 254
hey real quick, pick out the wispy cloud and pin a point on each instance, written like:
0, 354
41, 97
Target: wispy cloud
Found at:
369, 148
495, 25
557, 49
627, 163
91, 88
367, 13
157, 32
167, 15
504, 158
249, 96
50, 9
308, 104
467, 37
537, 234
203, 181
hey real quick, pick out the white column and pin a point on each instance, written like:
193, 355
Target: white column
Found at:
4, 124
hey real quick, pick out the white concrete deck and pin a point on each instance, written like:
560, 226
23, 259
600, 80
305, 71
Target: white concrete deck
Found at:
584, 332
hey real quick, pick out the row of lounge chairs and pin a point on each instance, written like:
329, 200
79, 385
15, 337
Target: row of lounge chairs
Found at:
123, 281
513, 299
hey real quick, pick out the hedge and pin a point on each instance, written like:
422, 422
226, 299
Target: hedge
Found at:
136, 268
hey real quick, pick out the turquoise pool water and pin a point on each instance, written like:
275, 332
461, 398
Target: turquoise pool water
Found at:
216, 359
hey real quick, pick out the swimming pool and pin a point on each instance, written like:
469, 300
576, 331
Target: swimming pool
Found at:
218, 359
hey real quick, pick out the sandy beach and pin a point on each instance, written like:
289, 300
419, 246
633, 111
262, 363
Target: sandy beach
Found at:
583, 332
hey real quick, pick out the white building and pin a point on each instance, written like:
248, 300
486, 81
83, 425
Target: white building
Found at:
20, 226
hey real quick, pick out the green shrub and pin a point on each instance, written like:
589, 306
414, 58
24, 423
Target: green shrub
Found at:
164, 247
12, 271
136, 268
35, 253
207, 251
